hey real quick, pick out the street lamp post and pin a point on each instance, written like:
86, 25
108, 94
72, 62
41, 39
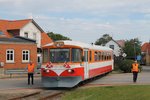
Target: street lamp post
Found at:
134, 50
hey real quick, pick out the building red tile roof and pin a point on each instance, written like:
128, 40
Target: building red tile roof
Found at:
3, 27
17, 24
146, 47
45, 39
121, 42
6, 25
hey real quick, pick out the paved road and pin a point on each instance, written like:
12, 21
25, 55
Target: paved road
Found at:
13, 83
14, 88
124, 78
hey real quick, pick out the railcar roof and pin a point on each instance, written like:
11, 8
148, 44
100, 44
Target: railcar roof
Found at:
80, 44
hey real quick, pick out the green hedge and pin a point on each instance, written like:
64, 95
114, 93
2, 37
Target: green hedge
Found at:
126, 66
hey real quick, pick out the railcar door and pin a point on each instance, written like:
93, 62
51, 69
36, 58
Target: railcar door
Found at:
86, 67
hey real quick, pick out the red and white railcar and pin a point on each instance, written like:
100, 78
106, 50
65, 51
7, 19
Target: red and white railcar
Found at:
66, 63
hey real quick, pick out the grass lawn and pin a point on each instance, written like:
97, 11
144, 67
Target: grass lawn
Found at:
131, 92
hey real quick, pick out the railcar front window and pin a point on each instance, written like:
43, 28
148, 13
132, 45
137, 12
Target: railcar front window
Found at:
59, 55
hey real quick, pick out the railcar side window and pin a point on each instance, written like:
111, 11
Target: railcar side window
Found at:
76, 55
100, 54
96, 56
86, 56
105, 56
90, 55
109, 56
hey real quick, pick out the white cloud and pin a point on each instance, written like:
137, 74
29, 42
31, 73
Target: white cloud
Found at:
84, 20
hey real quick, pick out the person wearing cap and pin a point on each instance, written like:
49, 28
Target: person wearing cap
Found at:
135, 70
31, 67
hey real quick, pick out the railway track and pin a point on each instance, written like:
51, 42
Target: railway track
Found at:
40, 95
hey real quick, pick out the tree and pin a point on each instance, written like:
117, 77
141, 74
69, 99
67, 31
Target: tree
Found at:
56, 37
132, 48
103, 40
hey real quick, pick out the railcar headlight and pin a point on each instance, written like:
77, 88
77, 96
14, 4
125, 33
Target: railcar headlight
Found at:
47, 71
70, 71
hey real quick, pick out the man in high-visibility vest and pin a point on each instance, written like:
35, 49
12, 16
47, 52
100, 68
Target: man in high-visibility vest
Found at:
31, 67
135, 70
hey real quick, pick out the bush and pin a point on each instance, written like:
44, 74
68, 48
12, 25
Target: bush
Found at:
117, 61
140, 68
126, 66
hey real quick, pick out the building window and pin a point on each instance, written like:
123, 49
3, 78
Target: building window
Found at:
111, 46
26, 34
34, 36
10, 55
39, 59
25, 56
1, 33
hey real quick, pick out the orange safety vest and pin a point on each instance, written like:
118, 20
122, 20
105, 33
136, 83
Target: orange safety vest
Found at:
135, 67
31, 68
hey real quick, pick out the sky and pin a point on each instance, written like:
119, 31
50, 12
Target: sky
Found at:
84, 20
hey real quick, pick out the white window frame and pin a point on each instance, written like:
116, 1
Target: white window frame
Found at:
10, 61
24, 61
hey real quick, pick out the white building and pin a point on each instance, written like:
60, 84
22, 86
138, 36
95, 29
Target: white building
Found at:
115, 46
30, 30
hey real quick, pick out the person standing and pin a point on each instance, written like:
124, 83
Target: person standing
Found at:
31, 67
135, 70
